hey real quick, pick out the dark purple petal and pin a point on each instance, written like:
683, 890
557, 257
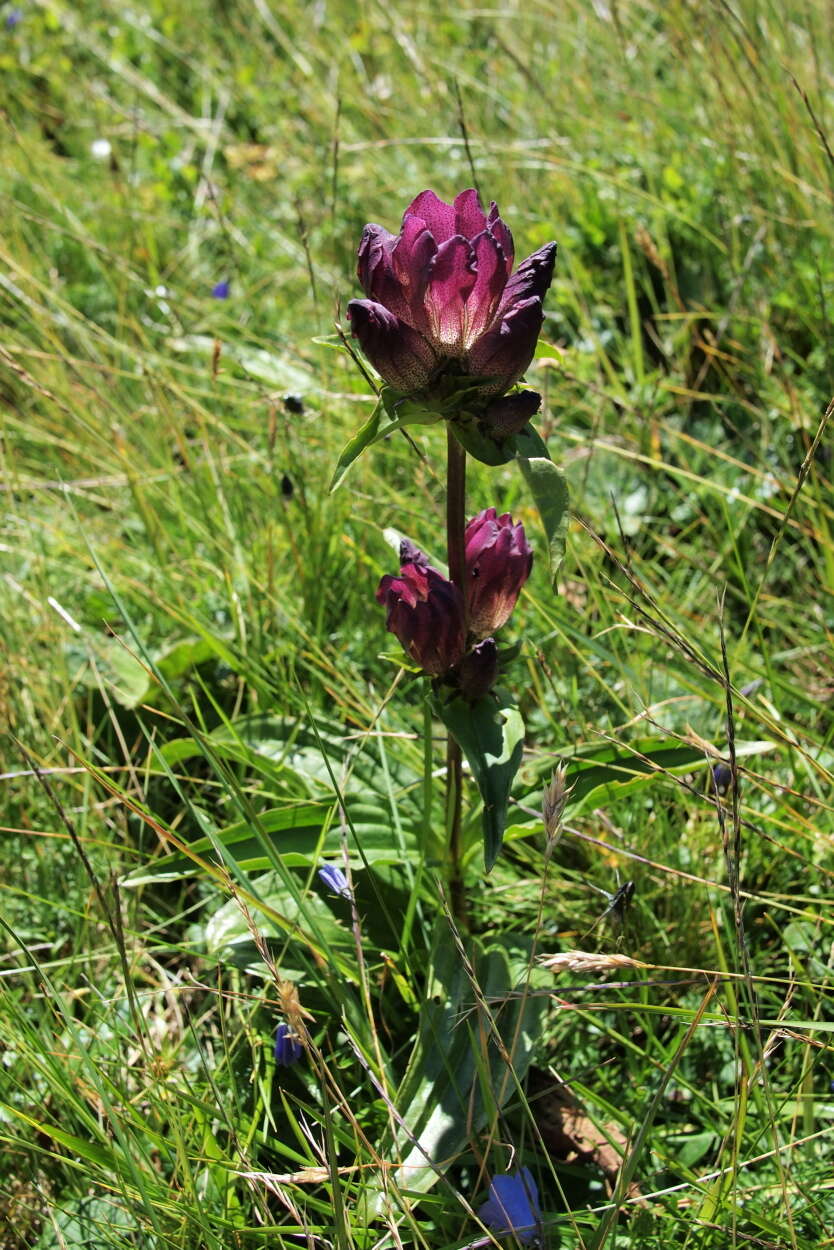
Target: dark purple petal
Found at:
400, 355
451, 278
505, 351
425, 611
436, 213
374, 248
478, 670
498, 563
533, 277
375, 267
410, 587
502, 233
490, 279
469, 216
513, 1205
288, 1048
511, 413
220, 290
410, 553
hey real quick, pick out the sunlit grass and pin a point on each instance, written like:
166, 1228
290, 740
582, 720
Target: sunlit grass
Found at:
200, 696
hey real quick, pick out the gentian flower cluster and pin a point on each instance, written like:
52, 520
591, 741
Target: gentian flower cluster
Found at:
448, 632
444, 304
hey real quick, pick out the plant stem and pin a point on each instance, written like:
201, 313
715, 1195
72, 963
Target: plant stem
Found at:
456, 557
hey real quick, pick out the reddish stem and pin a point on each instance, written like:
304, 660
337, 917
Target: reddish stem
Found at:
456, 556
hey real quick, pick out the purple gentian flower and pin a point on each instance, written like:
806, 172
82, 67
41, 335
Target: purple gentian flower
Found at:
425, 611
442, 296
513, 1205
288, 1048
221, 290
335, 880
498, 563
13, 18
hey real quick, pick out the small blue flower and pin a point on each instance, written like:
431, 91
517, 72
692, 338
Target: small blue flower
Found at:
513, 1205
722, 778
221, 290
335, 880
13, 18
288, 1049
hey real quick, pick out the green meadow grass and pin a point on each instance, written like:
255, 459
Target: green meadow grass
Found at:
200, 699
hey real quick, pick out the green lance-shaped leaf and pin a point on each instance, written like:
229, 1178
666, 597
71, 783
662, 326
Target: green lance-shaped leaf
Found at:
550, 492
391, 413
490, 733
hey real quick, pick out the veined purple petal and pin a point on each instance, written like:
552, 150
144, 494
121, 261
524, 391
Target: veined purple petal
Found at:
502, 233
505, 351
469, 216
399, 354
451, 278
490, 279
436, 213
411, 260
533, 277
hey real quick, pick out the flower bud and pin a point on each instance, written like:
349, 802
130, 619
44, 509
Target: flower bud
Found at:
478, 670
498, 563
425, 611
509, 415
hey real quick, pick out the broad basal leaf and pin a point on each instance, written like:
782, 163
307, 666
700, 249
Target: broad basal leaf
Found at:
457, 1075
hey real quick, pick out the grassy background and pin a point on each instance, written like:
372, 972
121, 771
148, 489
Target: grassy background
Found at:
193, 658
